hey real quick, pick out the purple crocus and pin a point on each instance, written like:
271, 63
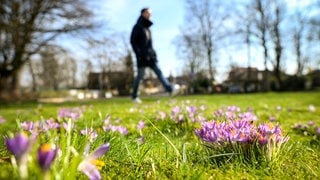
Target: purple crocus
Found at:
18, 145
192, 111
218, 113
90, 166
36, 127
175, 111
90, 132
46, 155
161, 115
262, 139
272, 118
120, 129
248, 116
230, 115
233, 109
29, 126
73, 113
141, 125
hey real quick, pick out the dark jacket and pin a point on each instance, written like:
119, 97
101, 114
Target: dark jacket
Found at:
141, 42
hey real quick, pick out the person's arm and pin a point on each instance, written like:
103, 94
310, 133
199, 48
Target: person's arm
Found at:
135, 41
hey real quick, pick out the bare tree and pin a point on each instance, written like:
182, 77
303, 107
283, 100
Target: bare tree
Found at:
245, 30
28, 25
260, 24
278, 13
111, 56
299, 37
315, 20
207, 20
57, 69
314, 32
190, 48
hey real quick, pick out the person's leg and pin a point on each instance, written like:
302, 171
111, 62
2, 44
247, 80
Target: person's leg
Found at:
137, 82
162, 79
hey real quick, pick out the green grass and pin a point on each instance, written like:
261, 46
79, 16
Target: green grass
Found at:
173, 151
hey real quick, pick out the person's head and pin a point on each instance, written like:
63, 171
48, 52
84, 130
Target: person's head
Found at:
146, 13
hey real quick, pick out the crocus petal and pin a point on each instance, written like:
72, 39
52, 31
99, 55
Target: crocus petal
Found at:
90, 170
100, 151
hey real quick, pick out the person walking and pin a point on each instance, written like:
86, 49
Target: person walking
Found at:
141, 43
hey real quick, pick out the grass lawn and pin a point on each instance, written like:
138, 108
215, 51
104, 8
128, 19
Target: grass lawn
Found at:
165, 145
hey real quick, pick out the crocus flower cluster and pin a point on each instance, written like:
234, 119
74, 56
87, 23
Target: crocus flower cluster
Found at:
222, 133
90, 133
161, 115
73, 113
237, 131
20, 146
107, 126
113, 128
186, 113
233, 113
36, 127
177, 114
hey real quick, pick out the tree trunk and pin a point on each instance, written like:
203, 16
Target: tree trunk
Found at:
9, 86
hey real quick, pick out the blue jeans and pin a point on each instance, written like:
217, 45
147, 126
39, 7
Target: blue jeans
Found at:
140, 75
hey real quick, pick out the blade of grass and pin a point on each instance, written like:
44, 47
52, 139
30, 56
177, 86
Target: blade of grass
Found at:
169, 141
